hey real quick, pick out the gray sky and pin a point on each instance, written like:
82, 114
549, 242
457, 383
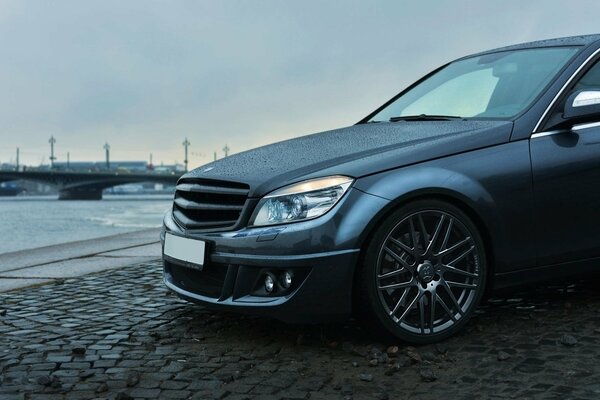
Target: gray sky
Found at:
143, 75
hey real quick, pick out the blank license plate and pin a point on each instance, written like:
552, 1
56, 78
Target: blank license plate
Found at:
185, 249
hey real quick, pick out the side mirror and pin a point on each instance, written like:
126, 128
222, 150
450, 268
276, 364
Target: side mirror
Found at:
583, 103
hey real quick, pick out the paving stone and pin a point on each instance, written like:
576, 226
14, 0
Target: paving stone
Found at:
175, 394
75, 365
144, 393
174, 385
116, 334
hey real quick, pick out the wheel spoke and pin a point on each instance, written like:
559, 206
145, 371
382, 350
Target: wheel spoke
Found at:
445, 307
452, 297
400, 301
463, 255
398, 285
402, 245
413, 235
422, 314
453, 247
392, 273
409, 307
432, 316
447, 235
397, 258
470, 286
436, 233
423, 231
460, 271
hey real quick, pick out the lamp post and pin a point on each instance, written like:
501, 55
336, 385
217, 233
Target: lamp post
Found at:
186, 143
52, 158
107, 149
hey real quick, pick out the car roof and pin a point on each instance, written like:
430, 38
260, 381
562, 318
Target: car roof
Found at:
582, 40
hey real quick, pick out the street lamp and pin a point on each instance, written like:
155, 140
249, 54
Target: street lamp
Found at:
52, 158
107, 148
186, 143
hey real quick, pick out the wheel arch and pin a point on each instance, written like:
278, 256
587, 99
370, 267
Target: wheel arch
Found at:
457, 199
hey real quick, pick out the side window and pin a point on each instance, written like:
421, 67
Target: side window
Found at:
591, 79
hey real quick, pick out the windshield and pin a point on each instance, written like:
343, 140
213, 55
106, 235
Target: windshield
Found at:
497, 85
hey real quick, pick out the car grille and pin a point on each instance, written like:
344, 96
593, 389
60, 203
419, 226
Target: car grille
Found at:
209, 204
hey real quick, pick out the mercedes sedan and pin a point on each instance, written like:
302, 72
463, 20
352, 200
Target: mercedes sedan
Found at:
483, 174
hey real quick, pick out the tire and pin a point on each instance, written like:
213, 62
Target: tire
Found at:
423, 274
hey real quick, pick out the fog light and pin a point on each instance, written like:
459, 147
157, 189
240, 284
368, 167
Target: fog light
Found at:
286, 280
269, 283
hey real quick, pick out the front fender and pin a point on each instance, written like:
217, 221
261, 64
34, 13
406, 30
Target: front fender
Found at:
493, 185
408, 183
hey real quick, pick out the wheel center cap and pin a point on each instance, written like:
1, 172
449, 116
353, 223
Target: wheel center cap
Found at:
426, 272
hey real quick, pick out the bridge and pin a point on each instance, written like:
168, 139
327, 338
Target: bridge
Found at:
85, 185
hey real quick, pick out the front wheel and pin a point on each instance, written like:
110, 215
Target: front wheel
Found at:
424, 272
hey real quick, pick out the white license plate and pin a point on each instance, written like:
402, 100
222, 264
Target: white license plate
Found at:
185, 249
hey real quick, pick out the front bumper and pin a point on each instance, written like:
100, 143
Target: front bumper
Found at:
322, 255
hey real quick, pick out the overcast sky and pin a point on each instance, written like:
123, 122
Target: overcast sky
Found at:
143, 75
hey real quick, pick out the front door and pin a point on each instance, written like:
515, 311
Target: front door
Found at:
566, 187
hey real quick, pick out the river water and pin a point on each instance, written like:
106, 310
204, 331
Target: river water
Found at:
30, 222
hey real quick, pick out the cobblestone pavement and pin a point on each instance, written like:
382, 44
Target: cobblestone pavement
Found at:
120, 335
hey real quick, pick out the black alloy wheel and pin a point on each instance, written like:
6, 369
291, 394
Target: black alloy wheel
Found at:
424, 272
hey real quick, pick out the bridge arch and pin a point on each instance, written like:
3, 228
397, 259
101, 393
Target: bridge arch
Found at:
85, 185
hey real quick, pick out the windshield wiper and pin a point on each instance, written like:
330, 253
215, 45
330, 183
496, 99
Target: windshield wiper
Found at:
425, 117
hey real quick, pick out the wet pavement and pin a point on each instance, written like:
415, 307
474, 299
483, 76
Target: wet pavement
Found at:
119, 334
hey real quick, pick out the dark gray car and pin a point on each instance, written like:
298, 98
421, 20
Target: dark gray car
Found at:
483, 174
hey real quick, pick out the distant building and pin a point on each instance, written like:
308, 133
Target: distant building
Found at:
7, 167
77, 166
165, 169
128, 166
135, 167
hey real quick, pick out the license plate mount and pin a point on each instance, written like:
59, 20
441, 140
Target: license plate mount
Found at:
191, 252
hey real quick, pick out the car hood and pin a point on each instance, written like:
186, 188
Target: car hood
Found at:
354, 151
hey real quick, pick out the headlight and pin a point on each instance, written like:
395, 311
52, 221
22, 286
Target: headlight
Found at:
300, 201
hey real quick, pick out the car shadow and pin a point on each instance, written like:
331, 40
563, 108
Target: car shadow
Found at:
508, 308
